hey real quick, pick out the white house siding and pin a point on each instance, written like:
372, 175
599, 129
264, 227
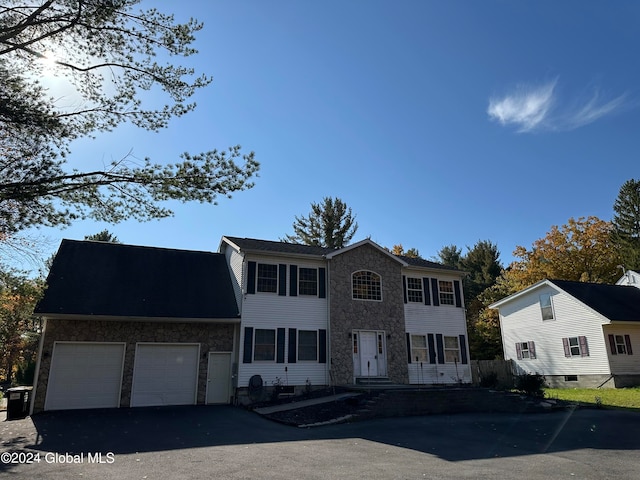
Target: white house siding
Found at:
272, 311
630, 278
447, 320
624, 364
235, 264
521, 321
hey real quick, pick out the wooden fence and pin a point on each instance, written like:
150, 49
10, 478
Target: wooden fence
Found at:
487, 372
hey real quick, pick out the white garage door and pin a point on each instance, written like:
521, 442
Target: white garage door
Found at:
165, 374
85, 375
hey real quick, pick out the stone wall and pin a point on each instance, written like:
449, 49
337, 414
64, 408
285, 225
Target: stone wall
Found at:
212, 337
347, 314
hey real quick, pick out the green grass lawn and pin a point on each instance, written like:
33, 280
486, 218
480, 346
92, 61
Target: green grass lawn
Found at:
609, 397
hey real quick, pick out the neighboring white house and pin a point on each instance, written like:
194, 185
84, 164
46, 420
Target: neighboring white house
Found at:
630, 278
576, 334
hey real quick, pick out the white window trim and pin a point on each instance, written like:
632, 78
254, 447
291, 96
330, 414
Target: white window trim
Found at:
452, 293
300, 279
425, 348
445, 349
420, 290
275, 345
550, 307
298, 346
258, 278
366, 299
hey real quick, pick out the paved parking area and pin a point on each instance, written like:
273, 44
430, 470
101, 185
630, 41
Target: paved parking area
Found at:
230, 443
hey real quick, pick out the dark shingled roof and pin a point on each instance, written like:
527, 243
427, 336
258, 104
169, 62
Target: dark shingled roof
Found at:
252, 244
615, 302
266, 246
100, 278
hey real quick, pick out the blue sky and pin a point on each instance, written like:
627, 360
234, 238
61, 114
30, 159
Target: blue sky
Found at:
439, 123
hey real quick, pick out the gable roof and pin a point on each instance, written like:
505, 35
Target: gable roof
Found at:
110, 279
371, 243
614, 302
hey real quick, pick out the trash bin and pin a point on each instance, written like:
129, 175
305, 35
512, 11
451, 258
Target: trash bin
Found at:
18, 402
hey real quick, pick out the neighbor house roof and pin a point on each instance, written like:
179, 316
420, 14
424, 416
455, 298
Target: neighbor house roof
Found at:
110, 279
614, 302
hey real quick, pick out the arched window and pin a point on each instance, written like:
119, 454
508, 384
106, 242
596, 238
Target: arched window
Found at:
366, 285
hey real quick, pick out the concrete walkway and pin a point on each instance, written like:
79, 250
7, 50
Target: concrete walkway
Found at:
304, 403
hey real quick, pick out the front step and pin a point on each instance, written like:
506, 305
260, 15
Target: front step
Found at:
373, 381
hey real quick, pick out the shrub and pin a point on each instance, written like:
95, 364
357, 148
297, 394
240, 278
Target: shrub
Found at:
489, 380
531, 384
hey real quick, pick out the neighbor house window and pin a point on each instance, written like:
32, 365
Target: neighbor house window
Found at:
307, 345
264, 348
447, 297
366, 286
419, 349
451, 350
308, 281
267, 278
525, 350
620, 344
545, 306
414, 289
575, 347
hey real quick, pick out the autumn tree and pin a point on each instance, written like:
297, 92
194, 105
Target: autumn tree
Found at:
401, 252
111, 54
626, 224
581, 250
19, 328
329, 224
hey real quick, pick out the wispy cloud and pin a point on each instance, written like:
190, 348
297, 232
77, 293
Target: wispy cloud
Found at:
535, 108
526, 108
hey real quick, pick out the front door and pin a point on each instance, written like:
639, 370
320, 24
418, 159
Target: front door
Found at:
218, 377
368, 354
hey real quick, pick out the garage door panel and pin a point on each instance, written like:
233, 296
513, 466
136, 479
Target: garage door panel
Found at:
165, 375
85, 375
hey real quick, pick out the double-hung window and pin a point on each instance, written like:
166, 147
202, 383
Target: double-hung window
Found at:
575, 346
308, 281
447, 297
308, 345
620, 344
451, 350
414, 289
546, 308
264, 347
419, 349
267, 278
525, 350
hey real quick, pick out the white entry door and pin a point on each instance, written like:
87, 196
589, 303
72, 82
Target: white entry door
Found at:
368, 354
218, 377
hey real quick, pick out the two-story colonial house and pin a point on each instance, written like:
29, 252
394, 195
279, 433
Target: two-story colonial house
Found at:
136, 326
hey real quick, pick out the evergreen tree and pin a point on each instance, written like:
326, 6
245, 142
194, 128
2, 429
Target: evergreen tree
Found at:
329, 224
103, 236
626, 224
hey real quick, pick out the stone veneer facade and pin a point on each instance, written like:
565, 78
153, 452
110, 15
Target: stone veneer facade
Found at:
347, 314
212, 337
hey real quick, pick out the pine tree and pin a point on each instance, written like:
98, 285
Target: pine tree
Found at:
626, 224
330, 224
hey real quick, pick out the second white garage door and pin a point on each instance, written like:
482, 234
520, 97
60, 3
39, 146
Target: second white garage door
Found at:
165, 374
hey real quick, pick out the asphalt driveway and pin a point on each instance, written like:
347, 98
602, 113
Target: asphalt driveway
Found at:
230, 443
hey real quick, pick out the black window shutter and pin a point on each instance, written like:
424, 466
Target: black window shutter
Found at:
456, 289
322, 282
436, 294
612, 345
322, 346
408, 347
432, 348
280, 346
425, 288
293, 280
282, 279
251, 277
518, 351
463, 350
404, 289
440, 345
292, 345
248, 345
627, 341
